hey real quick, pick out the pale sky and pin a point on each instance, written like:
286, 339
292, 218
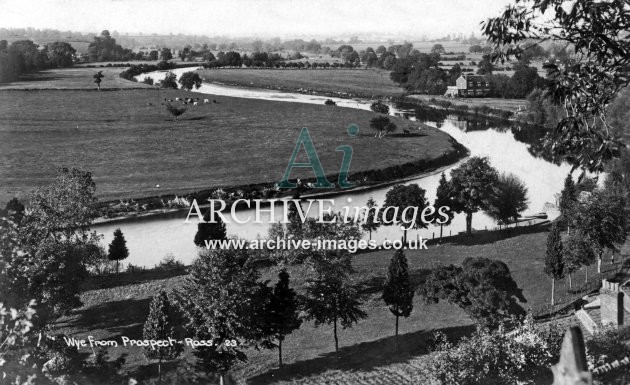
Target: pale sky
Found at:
265, 18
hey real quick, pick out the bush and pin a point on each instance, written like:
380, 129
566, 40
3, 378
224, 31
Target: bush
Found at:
148, 80
330, 102
380, 107
170, 263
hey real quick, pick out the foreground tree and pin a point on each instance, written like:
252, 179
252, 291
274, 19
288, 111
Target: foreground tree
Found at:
403, 206
282, 317
222, 301
118, 248
175, 111
190, 79
160, 325
586, 84
554, 259
44, 258
577, 253
397, 291
482, 287
473, 186
331, 299
509, 199
602, 219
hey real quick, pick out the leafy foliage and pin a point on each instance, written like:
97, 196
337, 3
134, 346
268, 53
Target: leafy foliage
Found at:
208, 230
584, 84
408, 202
483, 288
509, 199
118, 248
174, 110
160, 325
382, 125
380, 107
472, 186
443, 198
370, 222
190, 79
397, 291
169, 81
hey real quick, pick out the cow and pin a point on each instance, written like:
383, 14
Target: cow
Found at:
178, 99
195, 103
206, 101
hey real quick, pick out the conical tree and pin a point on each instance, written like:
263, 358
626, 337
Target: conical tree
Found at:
118, 248
397, 291
208, 231
554, 261
443, 199
283, 313
568, 199
160, 325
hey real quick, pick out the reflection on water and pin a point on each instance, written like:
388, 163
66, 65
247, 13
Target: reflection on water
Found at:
510, 148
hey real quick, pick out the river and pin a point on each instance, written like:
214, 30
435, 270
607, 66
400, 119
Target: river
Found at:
151, 239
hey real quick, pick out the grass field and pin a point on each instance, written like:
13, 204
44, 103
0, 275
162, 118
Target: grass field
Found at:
131, 144
368, 82
366, 350
72, 78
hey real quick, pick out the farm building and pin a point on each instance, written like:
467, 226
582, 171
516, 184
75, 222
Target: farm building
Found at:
469, 86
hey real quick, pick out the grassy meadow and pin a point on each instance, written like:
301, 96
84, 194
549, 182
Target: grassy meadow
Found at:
364, 81
119, 306
132, 145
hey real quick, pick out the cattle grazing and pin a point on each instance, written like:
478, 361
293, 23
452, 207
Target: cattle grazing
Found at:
206, 101
178, 99
406, 131
195, 103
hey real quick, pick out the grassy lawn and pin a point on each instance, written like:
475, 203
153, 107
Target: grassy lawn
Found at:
131, 144
368, 82
113, 309
72, 78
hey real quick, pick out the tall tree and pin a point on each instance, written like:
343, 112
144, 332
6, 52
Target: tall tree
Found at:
98, 78
60, 54
602, 219
398, 202
482, 287
161, 325
223, 301
118, 248
44, 258
371, 222
331, 299
554, 259
282, 316
509, 200
397, 291
208, 230
568, 201
443, 199
473, 185
577, 253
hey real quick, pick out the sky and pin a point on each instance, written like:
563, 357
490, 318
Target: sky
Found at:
246, 18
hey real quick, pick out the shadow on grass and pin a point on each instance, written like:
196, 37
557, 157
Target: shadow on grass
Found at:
131, 277
374, 284
121, 318
485, 237
363, 356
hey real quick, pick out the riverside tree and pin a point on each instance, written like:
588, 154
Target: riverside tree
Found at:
118, 248
223, 301
554, 259
169, 81
160, 325
397, 291
482, 287
370, 222
282, 316
382, 125
207, 230
443, 199
473, 185
585, 85
190, 79
509, 199
404, 205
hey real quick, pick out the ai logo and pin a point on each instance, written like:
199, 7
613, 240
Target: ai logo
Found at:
314, 164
